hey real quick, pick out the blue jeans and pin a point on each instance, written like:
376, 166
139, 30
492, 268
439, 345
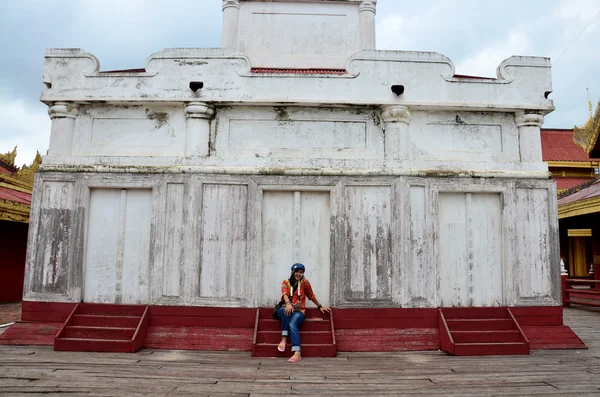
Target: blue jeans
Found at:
290, 324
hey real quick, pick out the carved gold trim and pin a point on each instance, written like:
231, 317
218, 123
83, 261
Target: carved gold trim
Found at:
27, 173
587, 135
574, 164
14, 212
579, 232
581, 207
9, 157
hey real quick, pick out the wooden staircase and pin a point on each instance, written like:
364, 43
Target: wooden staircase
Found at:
317, 336
481, 332
95, 327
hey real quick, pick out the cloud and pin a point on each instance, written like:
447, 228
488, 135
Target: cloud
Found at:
25, 126
485, 61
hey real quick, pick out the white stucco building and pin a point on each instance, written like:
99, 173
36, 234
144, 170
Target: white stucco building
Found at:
200, 179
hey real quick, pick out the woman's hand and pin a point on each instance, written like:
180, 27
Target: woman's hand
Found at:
289, 309
324, 309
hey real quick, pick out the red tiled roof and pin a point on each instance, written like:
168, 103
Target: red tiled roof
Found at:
558, 145
298, 71
588, 192
465, 76
15, 196
567, 183
140, 70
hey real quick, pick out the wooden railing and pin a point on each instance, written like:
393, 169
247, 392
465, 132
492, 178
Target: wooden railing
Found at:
581, 292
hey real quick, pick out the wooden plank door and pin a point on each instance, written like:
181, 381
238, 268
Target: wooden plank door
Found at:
470, 249
295, 228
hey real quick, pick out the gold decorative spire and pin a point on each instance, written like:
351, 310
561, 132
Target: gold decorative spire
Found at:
9, 157
27, 173
587, 135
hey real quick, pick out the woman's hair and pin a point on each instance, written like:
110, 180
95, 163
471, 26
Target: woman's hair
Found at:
292, 280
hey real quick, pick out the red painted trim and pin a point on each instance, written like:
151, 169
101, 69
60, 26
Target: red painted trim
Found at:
332, 327
583, 303
210, 328
140, 332
540, 320
204, 311
354, 313
523, 337
585, 297
450, 313
536, 311
580, 281
565, 297
578, 293
46, 311
112, 309
446, 340
255, 332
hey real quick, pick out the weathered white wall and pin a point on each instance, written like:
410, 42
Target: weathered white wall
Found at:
154, 192
368, 243
293, 139
148, 130
229, 240
224, 267
117, 260
470, 249
295, 228
268, 34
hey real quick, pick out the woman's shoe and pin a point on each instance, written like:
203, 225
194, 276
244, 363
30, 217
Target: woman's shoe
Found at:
281, 347
294, 359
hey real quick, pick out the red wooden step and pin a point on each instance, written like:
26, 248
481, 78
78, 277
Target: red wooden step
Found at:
77, 331
479, 324
490, 349
99, 320
308, 350
111, 309
267, 313
308, 325
306, 337
93, 345
486, 336
474, 312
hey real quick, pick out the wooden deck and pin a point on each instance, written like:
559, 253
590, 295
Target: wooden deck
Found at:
26, 370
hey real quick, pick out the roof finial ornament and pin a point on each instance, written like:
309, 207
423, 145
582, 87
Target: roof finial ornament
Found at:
9, 157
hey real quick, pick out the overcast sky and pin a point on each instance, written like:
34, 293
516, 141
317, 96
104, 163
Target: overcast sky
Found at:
476, 34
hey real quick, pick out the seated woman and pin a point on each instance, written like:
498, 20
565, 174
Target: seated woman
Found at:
294, 292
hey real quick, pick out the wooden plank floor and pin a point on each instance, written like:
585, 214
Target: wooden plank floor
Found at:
28, 370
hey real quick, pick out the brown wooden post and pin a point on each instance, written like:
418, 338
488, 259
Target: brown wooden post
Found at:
565, 285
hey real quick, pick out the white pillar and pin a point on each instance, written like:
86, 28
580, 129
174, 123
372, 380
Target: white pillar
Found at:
197, 136
530, 141
231, 16
366, 15
396, 118
63, 116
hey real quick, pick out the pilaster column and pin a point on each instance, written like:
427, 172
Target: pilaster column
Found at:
197, 136
63, 116
530, 141
231, 16
366, 16
396, 118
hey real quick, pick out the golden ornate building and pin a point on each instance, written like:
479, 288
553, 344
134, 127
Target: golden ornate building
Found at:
579, 205
16, 185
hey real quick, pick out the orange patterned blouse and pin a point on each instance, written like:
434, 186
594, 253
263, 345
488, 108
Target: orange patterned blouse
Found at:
299, 295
